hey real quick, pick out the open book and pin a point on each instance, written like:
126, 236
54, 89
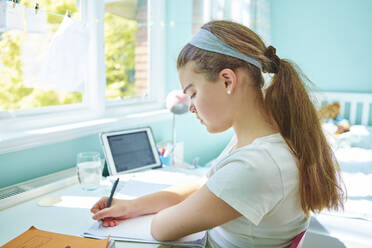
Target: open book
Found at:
138, 229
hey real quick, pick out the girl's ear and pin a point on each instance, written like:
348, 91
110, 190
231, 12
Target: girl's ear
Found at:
230, 79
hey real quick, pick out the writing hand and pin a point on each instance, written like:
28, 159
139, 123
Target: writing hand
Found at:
119, 210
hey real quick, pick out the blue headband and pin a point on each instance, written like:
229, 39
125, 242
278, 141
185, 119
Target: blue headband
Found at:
205, 40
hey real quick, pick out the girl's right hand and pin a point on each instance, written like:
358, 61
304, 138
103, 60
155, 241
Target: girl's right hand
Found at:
119, 210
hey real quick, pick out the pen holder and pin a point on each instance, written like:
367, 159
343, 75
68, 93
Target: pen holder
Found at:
170, 156
164, 150
165, 160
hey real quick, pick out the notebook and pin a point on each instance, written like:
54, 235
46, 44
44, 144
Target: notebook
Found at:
139, 229
35, 238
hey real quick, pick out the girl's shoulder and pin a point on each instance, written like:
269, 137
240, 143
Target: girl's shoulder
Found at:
263, 155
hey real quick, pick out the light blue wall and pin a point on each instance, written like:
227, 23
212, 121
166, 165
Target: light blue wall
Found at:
24, 165
330, 40
180, 13
39, 161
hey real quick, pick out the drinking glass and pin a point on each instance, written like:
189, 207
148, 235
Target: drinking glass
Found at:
89, 170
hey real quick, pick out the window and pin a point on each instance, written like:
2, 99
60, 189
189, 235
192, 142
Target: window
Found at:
126, 49
122, 79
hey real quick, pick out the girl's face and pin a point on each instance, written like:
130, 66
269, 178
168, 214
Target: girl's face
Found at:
208, 100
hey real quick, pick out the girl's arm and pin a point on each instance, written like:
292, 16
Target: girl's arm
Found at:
201, 211
153, 203
148, 204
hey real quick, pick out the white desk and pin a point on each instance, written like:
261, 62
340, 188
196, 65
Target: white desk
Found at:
324, 230
65, 220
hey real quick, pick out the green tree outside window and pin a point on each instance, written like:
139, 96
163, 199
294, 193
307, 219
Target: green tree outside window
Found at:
119, 49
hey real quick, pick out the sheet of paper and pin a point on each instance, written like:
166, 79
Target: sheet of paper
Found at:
159, 177
142, 183
34, 238
133, 188
36, 22
66, 61
14, 17
34, 49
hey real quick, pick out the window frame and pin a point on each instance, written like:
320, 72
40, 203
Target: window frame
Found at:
95, 108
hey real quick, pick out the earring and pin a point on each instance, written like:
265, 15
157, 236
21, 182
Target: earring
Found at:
228, 92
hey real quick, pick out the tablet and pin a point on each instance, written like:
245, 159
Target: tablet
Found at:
130, 150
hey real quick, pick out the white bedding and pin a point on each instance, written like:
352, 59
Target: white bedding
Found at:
359, 196
353, 151
355, 159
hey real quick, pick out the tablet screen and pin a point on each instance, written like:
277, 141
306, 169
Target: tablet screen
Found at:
131, 151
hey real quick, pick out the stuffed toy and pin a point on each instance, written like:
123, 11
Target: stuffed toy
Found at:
330, 111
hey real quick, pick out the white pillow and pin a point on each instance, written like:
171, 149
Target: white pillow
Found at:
358, 136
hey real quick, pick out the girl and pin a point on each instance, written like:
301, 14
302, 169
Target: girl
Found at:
276, 170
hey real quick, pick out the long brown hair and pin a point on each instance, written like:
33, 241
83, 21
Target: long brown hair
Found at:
287, 102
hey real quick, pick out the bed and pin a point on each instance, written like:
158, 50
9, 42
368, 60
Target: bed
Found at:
353, 150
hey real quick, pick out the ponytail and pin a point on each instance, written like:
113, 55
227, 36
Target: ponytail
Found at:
290, 106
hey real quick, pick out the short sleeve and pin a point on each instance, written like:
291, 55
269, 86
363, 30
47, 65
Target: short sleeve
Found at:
251, 189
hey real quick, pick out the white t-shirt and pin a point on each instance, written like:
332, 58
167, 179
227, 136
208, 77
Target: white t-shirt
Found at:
260, 181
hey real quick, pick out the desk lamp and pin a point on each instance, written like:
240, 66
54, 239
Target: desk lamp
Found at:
177, 103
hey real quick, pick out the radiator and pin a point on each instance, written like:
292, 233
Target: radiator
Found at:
15, 194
